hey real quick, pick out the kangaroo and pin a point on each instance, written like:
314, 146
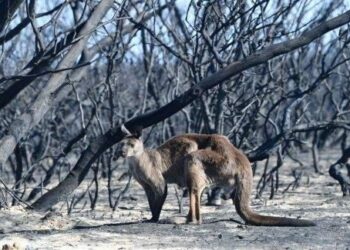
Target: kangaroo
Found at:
196, 161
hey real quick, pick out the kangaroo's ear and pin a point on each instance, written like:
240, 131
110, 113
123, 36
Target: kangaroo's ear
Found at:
125, 131
137, 131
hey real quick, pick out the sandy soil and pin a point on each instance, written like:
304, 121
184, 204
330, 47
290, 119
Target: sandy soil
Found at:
319, 200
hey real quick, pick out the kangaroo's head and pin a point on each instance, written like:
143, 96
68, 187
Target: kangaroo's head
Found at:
131, 145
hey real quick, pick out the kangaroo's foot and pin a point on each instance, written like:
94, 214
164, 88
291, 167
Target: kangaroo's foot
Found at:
152, 220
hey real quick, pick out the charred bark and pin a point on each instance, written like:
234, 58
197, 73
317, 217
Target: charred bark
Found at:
340, 171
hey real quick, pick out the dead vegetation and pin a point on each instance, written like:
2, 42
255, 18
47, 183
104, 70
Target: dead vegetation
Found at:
273, 76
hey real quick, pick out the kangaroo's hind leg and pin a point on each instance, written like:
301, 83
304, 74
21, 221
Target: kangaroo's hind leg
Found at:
201, 168
196, 182
194, 214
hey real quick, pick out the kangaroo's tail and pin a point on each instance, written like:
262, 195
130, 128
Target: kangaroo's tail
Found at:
242, 200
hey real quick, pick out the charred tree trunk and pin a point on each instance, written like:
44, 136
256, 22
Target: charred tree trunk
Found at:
341, 172
41, 105
7, 9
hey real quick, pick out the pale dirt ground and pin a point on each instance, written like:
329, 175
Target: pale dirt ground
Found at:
320, 200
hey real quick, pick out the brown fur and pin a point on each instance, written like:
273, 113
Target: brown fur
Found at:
196, 161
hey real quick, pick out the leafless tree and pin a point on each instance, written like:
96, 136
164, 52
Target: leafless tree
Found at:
271, 75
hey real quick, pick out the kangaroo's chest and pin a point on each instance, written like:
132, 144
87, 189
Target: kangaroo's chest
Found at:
144, 169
